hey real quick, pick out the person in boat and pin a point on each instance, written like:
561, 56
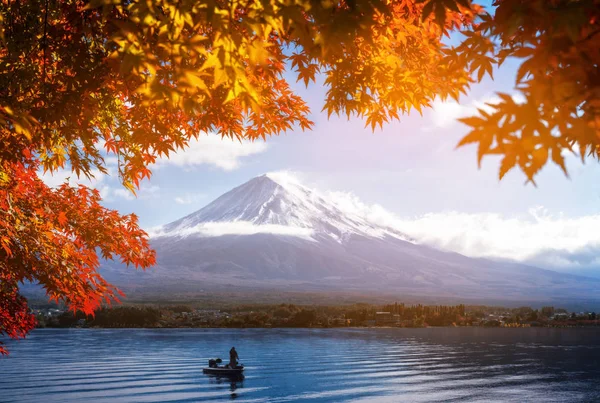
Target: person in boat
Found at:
233, 358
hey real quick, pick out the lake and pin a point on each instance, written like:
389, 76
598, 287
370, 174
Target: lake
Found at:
298, 365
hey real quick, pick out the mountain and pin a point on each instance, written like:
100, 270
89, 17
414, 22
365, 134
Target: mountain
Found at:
272, 232
276, 204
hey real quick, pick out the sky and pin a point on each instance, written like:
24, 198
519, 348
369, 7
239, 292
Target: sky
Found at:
410, 171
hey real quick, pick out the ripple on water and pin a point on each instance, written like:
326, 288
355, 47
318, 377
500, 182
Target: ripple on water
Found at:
293, 365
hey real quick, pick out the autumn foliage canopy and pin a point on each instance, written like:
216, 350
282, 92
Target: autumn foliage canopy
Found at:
81, 81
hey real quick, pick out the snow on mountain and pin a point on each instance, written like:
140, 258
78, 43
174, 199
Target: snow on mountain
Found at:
275, 203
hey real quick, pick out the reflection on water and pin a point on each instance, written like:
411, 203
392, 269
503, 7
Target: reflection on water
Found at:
234, 381
293, 365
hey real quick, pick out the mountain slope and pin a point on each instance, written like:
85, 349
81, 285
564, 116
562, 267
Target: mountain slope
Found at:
273, 232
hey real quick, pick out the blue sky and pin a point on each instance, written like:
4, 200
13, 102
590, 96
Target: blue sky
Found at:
410, 169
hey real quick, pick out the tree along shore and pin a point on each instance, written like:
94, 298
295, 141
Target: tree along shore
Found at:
290, 315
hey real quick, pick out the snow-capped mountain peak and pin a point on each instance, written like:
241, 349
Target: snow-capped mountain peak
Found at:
276, 203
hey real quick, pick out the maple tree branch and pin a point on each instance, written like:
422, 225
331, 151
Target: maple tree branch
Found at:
45, 44
590, 36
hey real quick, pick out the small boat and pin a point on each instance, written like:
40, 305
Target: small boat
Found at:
215, 369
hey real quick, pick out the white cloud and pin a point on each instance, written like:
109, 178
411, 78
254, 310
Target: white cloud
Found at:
445, 114
109, 193
211, 149
98, 181
189, 198
105, 191
537, 236
111, 161
286, 177
183, 200
212, 229
121, 193
494, 235
61, 176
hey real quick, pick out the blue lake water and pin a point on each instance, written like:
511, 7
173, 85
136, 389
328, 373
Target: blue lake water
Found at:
297, 365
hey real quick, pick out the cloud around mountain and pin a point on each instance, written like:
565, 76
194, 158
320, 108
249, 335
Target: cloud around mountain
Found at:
212, 229
537, 237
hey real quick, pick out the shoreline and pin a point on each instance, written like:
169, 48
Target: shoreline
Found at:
392, 315
322, 327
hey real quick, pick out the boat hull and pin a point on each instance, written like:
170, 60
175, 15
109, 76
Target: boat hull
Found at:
223, 371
